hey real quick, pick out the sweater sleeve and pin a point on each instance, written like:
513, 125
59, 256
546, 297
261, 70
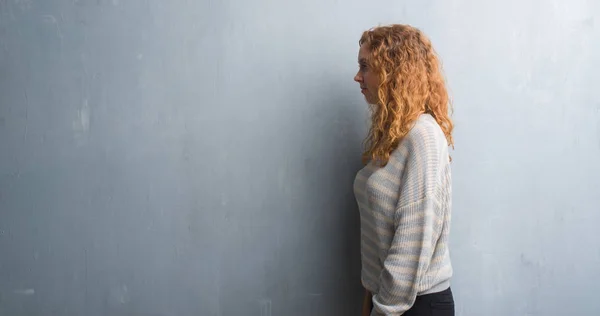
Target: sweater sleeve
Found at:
415, 235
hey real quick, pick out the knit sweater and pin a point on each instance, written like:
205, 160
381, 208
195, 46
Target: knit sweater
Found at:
405, 210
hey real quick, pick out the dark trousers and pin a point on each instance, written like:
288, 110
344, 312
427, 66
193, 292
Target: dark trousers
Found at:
434, 304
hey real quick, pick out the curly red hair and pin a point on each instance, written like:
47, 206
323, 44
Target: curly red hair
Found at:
410, 83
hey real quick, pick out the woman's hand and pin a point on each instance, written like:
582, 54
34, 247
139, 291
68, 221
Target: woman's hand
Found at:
367, 304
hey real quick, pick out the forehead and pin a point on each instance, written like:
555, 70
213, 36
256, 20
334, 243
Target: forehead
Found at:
363, 53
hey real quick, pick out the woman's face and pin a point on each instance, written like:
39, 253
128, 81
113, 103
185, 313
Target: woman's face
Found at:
366, 77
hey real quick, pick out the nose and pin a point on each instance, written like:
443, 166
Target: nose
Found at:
358, 77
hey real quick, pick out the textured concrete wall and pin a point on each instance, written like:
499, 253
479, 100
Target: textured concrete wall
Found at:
196, 157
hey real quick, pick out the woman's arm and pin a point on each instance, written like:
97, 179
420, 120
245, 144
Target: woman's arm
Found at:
418, 221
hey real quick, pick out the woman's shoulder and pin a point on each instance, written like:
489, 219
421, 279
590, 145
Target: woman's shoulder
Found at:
425, 140
426, 132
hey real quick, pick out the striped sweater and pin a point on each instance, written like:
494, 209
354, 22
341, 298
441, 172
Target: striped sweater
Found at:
405, 210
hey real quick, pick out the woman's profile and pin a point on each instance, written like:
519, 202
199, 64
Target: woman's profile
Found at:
404, 190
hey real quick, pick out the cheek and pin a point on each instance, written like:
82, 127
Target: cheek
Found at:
370, 80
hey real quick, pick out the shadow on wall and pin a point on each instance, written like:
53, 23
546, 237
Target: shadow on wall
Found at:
325, 216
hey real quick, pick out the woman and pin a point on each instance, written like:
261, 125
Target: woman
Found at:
404, 191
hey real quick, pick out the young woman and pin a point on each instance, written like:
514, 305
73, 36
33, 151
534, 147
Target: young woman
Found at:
404, 191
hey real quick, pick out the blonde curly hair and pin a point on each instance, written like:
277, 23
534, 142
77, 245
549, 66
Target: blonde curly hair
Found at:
410, 83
